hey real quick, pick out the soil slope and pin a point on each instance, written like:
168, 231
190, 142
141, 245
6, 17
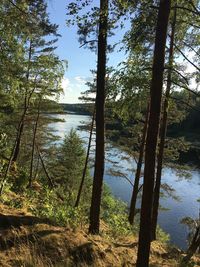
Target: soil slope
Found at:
28, 241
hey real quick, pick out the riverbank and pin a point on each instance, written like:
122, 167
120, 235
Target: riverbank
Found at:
115, 132
27, 240
187, 189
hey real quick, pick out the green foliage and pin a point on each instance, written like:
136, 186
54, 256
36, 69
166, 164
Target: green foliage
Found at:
3, 150
114, 213
67, 165
162, 236
57, 204
192, 224
86, 15
20, 181
61, 212
31, 74
188, 264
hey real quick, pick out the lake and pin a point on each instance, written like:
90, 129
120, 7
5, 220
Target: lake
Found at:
187, 190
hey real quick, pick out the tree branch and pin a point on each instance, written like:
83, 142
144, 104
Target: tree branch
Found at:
196, 67
185, 43
184, 78
193, 5
186, 88
189, 23
185, 103
196, 12
87, 42
51, 184
16, 6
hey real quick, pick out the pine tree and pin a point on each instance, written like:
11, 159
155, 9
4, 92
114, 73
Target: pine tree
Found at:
152, 134
100, 127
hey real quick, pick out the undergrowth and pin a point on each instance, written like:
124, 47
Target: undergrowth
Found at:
57, 204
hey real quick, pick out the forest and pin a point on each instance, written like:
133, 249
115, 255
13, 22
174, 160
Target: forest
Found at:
64, 168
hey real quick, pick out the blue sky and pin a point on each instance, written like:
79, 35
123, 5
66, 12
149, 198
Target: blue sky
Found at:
80, 60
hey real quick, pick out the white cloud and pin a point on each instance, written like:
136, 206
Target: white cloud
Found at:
80, 79
67, 90
72, 88
66, 84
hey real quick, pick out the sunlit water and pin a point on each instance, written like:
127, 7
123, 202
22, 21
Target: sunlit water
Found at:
186, 190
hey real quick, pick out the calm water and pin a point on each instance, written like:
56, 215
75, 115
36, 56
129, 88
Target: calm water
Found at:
186, 190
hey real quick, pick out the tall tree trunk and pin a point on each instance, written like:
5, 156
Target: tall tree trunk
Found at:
51, 184
36, 168
100, 103
18, 140
3, 182
15, 148
195, 244
163, 131
26, 105
138, 170
86, 161
152, 134
33, 144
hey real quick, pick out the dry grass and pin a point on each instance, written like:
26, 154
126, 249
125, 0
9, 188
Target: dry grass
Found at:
33, 243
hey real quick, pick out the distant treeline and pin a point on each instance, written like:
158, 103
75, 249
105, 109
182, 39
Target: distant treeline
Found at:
188, 128
79, 108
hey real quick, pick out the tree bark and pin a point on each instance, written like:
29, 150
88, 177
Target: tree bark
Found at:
51, 184
33, 144
163, 131
152, 134
26, 105
20, 131
86, 162
195, 244
138, 171
100, 135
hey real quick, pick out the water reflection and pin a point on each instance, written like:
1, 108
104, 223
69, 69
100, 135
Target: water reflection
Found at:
187, 190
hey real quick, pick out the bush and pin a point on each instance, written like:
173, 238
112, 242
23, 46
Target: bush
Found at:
114, 213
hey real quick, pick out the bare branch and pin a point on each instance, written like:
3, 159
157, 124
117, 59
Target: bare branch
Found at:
186, 88
140, 188
195, 12
189, 23
196, 67
87, 42
193, 5
182, 76
51, 184
185, 103
20, 9
122, 175
185, 43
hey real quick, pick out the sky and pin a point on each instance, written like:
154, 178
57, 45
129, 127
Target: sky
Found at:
80, 60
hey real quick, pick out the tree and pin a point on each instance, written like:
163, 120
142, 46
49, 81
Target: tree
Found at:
138, 170
86, 161
100, 135
163, 129
182, 31
152, 133
35, 47
194, 236
98, 20
65, 163
40, 70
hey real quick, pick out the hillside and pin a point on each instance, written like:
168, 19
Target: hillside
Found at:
26, 240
